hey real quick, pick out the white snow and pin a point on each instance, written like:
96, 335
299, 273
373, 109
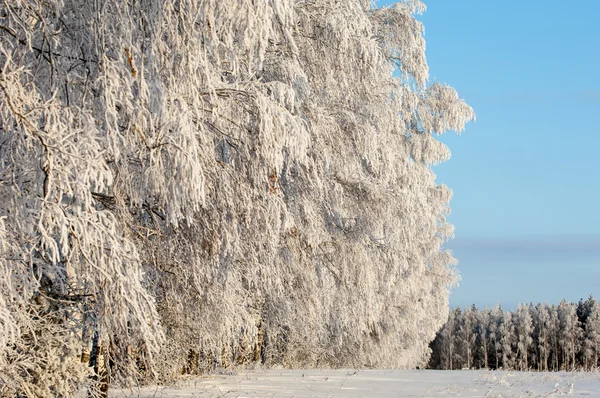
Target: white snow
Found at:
379, 384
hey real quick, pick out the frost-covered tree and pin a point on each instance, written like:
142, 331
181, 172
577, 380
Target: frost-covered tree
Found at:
591, 344
584, 310
541, 335
506, 331
484, 336
569, 334
215, 182
523, 330
497, 314
467, 336
554, 332
453, 346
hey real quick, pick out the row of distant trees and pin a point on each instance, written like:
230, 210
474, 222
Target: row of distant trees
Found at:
539, 337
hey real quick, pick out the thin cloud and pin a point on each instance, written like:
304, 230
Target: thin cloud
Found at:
537, 245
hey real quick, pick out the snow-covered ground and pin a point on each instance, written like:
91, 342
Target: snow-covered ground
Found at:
378, 384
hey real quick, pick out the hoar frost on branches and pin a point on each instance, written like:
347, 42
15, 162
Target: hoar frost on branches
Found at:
198, 183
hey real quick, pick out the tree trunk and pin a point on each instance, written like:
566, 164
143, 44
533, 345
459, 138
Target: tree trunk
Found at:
99, 361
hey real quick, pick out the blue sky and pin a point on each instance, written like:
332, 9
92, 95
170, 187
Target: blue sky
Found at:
525, 175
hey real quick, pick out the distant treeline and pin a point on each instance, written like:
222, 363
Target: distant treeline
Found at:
540, 337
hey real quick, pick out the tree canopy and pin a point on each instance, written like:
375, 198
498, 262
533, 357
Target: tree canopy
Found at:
187, 184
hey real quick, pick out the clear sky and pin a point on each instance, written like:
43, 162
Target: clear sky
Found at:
525, 175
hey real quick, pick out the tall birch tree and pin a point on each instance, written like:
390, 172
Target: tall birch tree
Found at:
523, 331
591, 344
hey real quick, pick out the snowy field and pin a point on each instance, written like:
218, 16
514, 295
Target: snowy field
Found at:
379, 384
